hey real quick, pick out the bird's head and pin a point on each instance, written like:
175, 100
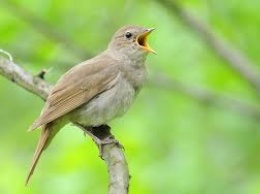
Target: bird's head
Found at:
131, 41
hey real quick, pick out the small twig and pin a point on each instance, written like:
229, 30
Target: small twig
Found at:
7, 54
111, 153
42, 74
234, 58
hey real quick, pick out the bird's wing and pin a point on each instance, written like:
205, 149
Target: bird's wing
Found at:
78, 86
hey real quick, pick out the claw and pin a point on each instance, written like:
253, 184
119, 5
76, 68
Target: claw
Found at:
101, 136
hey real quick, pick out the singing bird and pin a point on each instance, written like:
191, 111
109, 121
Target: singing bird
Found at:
98, 90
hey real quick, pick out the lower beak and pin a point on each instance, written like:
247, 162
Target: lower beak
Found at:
142, 40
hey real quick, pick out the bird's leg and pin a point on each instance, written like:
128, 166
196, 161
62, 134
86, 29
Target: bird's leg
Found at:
101, 136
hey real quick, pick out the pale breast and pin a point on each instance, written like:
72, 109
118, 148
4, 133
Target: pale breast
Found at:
106, 106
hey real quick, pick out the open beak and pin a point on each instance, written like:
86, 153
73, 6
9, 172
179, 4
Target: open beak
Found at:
142, 40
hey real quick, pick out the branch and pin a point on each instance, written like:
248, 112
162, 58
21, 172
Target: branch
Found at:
24, 79
234, 58
111, 153
206, 96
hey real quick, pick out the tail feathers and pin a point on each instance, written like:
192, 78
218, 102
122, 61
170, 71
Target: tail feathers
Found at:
45, 139
35, 125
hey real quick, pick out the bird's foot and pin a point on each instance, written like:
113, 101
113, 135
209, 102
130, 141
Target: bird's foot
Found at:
104, 142
101, 136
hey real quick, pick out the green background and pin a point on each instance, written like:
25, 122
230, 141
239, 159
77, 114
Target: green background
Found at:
174, 143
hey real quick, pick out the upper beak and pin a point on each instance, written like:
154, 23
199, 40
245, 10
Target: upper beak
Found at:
142, 40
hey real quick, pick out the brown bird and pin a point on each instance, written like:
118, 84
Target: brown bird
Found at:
97, 90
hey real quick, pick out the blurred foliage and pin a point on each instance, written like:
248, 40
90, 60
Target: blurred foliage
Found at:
173, 143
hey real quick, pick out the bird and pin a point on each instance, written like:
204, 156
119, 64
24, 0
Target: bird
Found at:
97, 90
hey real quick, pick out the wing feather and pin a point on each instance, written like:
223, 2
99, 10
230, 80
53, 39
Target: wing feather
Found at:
93, 77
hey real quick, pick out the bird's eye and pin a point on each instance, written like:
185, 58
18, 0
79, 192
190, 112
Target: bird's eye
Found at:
128, 35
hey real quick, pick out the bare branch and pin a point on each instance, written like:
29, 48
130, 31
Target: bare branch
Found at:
234, 58
119, 175
115, 159
206, 96
24, 79
112, 153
